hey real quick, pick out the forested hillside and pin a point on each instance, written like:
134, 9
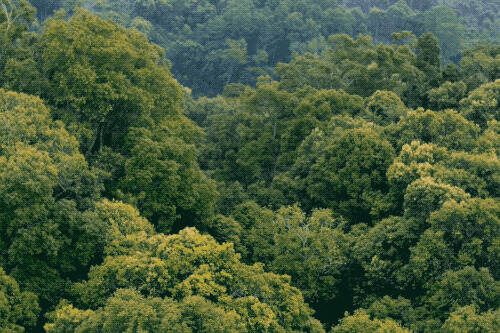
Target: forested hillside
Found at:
249, 166
211, 43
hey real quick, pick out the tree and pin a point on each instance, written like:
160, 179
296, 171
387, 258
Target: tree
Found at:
45, 8
468, 319
16, 18
382, 253
18, 310
194, 33
125, 310
48, 232
219, 118
425, 195
467, 286
313, 251
267, 108
367, 68
472, 229
461, 234
257, 232
104, 79
446, 129
308, 70
482, 104
481, 65
163, 178
429, 62
187, 274
398, 309
429, 57
349, 176
360, 321
473, 173
447, 96
489, 140
384, 108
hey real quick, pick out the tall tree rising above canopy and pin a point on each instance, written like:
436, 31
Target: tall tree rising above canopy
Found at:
104, 78
114, 90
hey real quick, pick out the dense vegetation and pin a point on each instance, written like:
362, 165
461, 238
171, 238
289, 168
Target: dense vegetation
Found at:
266, 166
211, 43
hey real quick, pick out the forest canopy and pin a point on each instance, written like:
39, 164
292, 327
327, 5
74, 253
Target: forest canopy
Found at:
249, 166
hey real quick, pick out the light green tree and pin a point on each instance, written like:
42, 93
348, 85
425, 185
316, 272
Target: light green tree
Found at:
360, 321
188, 274
18, 309
104, 79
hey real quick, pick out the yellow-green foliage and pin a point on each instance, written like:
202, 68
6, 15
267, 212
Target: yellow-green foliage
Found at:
360, 322
18, 310
45, 187
104, 78
358, 176
187, 273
